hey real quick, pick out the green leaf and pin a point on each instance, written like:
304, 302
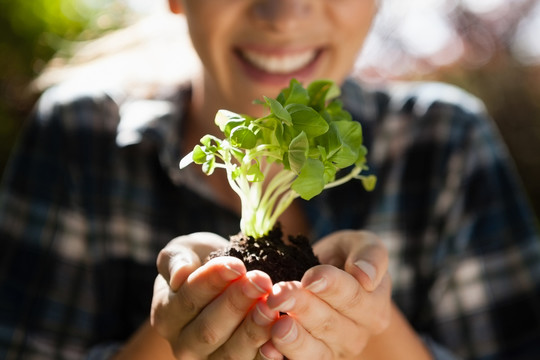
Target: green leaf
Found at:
199, 156
269, 130
209, 166
369, 182
254, 173
320, 91
243, 137
344, 157
278, 110
227, 120
206, 140
336, 112
310, 181
238, 154
330, 141
298, 152
323, 153
315, 153
285, 161
308, 120
350, 133
236, 172
329, 173
296, 94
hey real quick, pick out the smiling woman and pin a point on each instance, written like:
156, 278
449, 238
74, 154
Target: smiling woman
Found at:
93, 199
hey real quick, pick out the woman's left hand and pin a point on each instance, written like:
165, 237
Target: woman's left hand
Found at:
332, 313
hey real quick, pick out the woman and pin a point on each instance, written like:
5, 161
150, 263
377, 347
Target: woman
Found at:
94, 193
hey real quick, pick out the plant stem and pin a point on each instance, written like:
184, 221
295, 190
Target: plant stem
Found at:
354, 172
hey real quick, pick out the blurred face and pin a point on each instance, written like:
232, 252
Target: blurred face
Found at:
251, 48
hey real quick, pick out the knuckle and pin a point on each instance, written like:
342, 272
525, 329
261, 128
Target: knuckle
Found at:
206, 334
382, 322
253, 335
327, 325
354, 298
235, 307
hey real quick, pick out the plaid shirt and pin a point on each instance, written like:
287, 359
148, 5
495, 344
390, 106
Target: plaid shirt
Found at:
93, 192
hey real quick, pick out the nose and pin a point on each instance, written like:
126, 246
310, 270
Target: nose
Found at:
283, 14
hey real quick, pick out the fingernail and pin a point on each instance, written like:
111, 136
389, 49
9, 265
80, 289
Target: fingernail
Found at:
285, 306
260, 317
263, 356
367, 268
252, 289
290, 335
317, 285
234, 271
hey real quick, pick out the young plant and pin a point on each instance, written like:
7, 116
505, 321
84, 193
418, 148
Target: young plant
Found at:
306, 134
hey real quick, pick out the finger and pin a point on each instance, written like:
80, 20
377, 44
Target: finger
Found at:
161, 307
171, 311
205, 284
268, 352
253, 333
323, 322
341, 291
360, 253
176, 263
368, 264
184, 254
217, 322
294, 342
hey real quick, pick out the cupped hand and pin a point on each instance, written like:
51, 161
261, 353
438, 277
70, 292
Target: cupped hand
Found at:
211, 310
334, 311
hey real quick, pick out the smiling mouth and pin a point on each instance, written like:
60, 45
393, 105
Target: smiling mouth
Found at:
279, 64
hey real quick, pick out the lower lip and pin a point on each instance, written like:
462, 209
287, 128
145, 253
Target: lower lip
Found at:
273, 79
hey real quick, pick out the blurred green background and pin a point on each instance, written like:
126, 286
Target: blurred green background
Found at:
488, 47
31, 33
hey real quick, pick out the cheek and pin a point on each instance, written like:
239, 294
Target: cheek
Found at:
354, 27
355, 16
205, 37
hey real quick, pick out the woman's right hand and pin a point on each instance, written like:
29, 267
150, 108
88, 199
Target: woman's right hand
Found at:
209, 310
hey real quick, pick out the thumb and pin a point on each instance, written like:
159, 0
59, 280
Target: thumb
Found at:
367, 260
182, 255
360, 253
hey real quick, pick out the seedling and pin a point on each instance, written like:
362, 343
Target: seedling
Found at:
307, 135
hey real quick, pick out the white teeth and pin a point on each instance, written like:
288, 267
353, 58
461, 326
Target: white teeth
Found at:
279, 64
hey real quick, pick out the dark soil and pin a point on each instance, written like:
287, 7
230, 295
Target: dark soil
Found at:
283, 261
